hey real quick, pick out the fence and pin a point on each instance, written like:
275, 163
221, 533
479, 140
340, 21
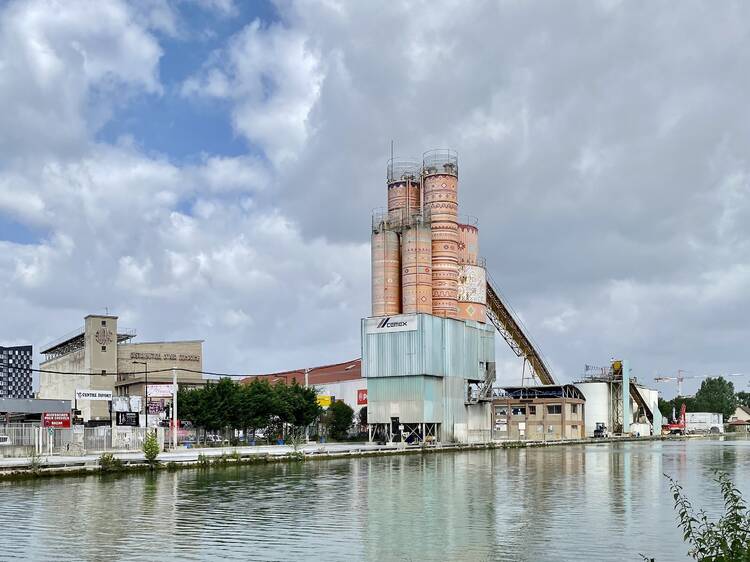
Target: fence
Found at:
23, 440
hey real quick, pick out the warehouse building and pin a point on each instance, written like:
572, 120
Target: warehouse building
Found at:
112, 364
543, 413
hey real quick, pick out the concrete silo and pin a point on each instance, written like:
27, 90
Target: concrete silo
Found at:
440, 190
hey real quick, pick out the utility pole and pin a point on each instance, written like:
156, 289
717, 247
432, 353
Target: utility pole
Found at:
145, 368
307, 384
174, 409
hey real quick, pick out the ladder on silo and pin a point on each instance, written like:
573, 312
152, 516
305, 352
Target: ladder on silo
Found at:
505, 321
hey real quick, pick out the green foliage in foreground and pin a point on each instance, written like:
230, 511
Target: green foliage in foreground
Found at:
151, 448
725, 540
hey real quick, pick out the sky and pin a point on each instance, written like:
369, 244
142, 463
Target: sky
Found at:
206, 169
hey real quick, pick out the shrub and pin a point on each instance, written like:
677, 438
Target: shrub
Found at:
171, 466
109, 463
151, 448
203, 461
717, 541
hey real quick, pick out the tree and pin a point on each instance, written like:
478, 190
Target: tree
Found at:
716, 395
151, 448
257, 405
743, 398
339, 419
363, 417
296, 405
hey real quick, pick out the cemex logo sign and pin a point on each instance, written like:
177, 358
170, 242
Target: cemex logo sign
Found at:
401, 323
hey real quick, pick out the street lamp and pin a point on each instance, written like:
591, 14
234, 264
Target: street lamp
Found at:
145, 369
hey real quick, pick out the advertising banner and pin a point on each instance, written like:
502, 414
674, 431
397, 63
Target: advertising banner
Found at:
127, 418
120, 404
160, 390
85, 394
57, 420
386, 324
362, 397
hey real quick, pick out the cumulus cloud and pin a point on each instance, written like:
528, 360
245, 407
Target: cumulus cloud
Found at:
602, 146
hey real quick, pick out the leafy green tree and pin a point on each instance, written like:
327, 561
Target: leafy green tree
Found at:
296, 405
743, 398
257, 405
151, 448
716, 395
339, 419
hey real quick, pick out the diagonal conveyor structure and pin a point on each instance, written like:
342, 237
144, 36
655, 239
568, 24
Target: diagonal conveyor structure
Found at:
510, 328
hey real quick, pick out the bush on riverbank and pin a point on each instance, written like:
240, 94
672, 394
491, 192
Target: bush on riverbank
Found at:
109, 463
727, 539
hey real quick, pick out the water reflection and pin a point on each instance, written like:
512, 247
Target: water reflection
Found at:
592, 502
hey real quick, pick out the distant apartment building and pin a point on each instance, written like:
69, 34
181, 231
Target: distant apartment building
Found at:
15, 371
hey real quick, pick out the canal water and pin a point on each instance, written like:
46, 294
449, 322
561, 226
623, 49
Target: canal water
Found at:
581, 502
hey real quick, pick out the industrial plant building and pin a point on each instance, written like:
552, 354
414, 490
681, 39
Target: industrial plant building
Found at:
539, 413
617, 400
427, 353
15, 372
112, 364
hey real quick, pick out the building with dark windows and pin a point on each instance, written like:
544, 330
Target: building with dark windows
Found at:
15, 371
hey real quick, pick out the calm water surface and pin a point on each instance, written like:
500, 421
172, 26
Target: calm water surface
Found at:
587, 502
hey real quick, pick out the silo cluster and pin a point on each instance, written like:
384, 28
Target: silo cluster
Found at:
424, 260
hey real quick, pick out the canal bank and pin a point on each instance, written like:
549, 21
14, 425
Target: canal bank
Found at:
60, 465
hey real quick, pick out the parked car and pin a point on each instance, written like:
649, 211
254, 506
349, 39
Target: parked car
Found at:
216, 440
5, 441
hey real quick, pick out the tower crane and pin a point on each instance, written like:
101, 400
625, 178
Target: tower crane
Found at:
681, 376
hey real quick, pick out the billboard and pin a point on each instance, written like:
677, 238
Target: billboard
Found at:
59, 420
127, 418
324, 401
362, 397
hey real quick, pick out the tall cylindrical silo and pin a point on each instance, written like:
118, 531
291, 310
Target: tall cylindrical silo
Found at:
386, 273
472, 292
416, 269
440, 180
403, 191
468, 241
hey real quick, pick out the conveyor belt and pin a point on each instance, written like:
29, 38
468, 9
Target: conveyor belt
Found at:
635, 393
510, 328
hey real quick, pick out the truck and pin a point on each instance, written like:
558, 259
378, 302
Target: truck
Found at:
676, 427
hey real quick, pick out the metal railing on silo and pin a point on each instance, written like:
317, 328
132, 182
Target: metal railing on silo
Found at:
440, 161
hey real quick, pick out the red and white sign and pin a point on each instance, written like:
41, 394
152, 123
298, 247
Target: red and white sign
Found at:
60, 420
362, 397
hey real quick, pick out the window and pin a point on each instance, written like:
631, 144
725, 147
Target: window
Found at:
501, 410
574, 408
532, 410
554, 409
104, 371
104, 322
104, 348
574, 427
550, 429
518, 411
